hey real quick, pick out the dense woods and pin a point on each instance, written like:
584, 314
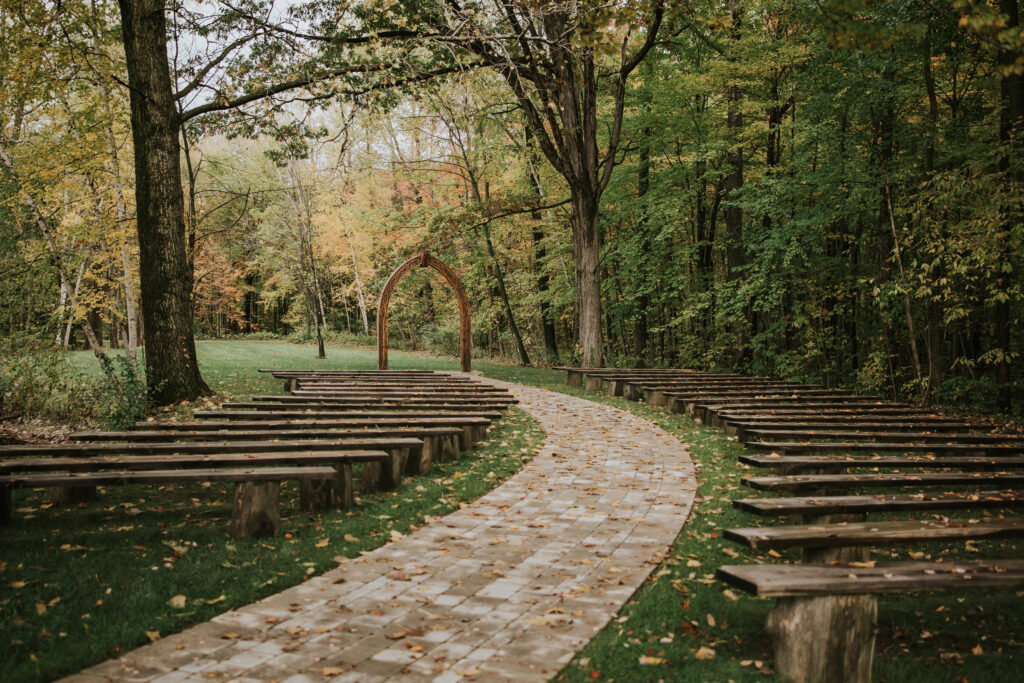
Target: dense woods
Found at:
831, 192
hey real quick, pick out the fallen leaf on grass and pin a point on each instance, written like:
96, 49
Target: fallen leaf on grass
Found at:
977, 650
153, 636
322, 543
178, 601
644, 659
220, 598
349, 538
18, 584
705, 653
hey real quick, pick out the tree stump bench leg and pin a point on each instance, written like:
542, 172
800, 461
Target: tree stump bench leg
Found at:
450, 448
593, 383
420, 459
824, 639
472, 435
291, 384
6, 505
654, 397
574, 378
614, 387
386, 475
336, 494
631, 392
369, 480
257, 509
72, 495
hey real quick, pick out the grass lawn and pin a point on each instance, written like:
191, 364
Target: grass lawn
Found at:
682, 611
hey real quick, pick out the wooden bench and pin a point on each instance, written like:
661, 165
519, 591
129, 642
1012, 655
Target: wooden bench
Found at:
325, 479
821, 447
375, 475
790, 464
823, 624
439, 443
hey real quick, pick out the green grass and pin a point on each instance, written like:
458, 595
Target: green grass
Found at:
82, 584
922, 637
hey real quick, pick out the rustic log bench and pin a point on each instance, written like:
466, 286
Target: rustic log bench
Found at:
325, 479
739, 426
474, 426
769, 435
375, 474
791, 464
686, 402
718, 415
823, 624
439, 443
618, 383
575, 376
822, 447
635, 389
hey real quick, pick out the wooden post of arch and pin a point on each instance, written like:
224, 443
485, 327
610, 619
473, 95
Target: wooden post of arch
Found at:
423, 260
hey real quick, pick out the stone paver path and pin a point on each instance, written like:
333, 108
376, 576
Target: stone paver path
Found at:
507, 588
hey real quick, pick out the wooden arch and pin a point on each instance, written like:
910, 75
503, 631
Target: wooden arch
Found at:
423, 260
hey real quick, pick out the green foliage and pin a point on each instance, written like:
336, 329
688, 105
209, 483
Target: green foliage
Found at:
122, 396
36, 381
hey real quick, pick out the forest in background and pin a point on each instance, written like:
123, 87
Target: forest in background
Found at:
829, 192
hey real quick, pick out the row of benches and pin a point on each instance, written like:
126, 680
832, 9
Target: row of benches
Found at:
390, 424
837, 457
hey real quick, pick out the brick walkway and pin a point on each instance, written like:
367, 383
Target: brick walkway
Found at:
509, 587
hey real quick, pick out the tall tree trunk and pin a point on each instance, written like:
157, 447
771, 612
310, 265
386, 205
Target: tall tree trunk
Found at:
359, 285
114, 166
524, 357
1011, 129
172, 369
586, 251
539, 254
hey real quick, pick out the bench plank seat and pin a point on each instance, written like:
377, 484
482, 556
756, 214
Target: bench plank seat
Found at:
158, 462
792, 580
840, 505
808, 482
842, 462
355, 412
49, 479
762, 539
767, 435
239, 435
454, 420
262, 446
874, 446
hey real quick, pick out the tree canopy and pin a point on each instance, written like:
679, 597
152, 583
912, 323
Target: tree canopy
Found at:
828, 191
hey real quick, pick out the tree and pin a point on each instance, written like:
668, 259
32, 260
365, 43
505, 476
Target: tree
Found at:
553, 57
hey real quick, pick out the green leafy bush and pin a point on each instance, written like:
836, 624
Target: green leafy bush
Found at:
37, 381
122, 397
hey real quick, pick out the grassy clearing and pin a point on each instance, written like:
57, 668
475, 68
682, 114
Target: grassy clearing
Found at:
922, 637
84, 584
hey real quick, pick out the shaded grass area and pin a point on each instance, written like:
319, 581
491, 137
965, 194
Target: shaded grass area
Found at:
682, 625
82, 584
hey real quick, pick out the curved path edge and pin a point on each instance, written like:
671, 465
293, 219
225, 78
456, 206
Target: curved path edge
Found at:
509, 587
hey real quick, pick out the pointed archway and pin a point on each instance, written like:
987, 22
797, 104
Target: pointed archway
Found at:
422, 260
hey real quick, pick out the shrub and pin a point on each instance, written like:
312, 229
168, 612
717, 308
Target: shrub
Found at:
123, 398
37, 381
